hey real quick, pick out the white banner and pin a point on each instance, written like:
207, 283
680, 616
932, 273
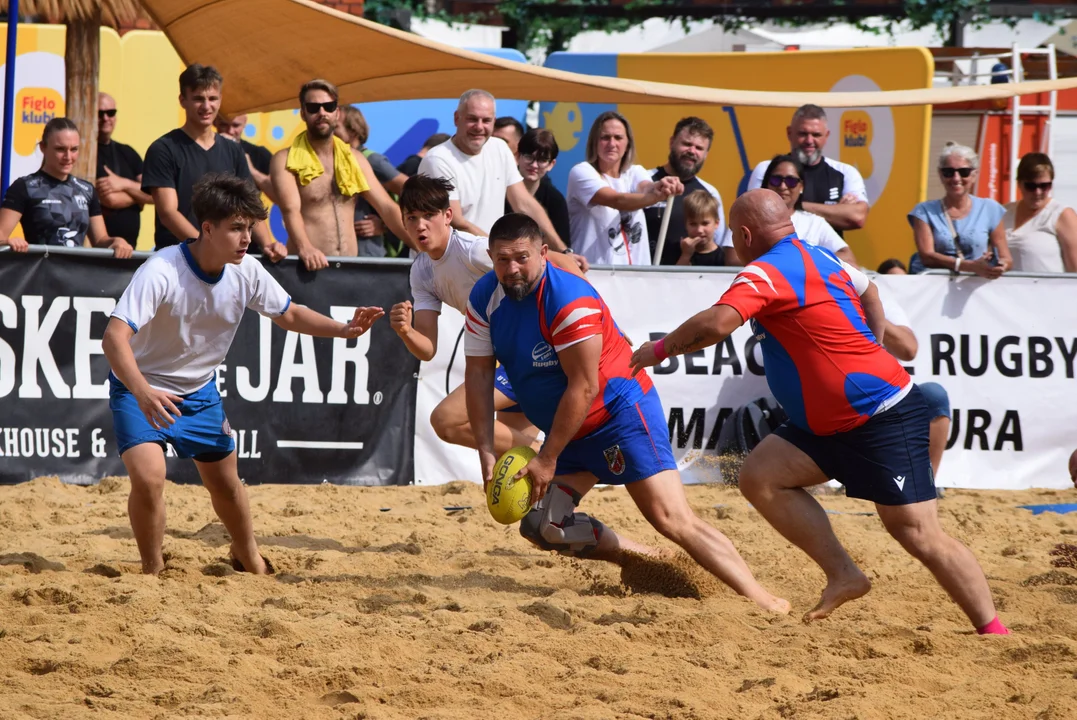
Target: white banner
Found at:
1006, 351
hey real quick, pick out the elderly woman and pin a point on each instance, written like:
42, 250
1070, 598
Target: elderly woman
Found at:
960, 232
1040, 231
607, 194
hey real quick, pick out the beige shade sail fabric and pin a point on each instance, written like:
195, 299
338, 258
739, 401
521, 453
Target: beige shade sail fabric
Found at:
266, 49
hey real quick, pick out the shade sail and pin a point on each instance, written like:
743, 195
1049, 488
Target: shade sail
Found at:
267, 49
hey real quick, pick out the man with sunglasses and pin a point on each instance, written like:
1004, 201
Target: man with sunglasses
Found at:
833, 190
119, 177
179, 159
318, 195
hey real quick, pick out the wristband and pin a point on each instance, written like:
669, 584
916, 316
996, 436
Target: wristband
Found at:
660, 350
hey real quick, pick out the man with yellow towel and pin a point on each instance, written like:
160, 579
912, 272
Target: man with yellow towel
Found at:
318, 179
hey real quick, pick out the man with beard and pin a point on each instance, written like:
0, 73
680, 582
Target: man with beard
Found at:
833, 190
568, 364
318, 179
688, 150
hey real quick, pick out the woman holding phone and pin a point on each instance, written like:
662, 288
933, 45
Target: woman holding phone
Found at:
960, 232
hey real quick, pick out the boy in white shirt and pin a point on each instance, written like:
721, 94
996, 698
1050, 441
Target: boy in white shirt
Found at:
449, 264
170, 330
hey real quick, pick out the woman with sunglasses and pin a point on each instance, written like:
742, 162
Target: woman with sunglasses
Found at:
53, 206
785, 176
1040, 231
960, 232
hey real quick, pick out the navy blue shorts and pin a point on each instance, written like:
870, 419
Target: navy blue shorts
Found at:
201, 432
632, 445
502, 384
885, 460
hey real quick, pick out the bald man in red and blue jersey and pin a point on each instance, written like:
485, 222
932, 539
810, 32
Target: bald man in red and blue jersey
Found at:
569, 366
854, 413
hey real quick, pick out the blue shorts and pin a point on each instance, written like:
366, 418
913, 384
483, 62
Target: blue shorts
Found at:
632, 445
885, 460
502, 384
938, 401
201, 432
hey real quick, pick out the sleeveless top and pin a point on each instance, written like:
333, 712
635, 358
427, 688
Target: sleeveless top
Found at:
1034, 246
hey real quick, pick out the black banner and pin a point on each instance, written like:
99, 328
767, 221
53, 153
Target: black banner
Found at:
302, 409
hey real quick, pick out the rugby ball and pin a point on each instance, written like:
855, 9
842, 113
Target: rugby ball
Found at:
510, 499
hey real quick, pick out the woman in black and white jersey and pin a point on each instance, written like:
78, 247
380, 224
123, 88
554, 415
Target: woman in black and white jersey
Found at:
54, 206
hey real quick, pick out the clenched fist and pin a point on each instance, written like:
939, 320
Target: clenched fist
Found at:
400, 317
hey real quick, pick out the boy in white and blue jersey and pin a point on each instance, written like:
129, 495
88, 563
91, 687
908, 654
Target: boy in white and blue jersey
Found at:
170, 330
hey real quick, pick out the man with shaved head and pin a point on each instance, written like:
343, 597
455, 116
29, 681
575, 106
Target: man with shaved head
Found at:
854, 413
119, 177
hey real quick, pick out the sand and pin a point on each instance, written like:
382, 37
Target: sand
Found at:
388, 606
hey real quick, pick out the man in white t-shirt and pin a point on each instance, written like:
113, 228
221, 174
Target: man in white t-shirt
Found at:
449, 264
170, 330
832, 189
483, 172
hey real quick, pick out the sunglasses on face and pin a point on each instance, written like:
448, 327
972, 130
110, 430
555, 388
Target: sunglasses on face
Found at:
1033, 187
791, 181
535, 159
948, 172
312, 108
106, 113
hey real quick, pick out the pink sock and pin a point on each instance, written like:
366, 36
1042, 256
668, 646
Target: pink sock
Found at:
995, 627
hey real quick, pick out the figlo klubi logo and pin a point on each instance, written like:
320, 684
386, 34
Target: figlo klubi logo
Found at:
856, 136
34, 107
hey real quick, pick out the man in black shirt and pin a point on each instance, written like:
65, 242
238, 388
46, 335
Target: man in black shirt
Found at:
688, 150
258, 157
119, 177
176, 161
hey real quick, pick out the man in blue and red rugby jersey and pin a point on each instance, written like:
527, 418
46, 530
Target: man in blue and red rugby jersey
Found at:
569, 366
854, 413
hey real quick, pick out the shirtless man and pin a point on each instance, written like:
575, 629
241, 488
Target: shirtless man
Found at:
318, 217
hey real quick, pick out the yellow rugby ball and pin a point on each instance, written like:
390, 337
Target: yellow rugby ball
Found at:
510, 499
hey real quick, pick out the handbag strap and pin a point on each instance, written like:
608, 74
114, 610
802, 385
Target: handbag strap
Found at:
953, 232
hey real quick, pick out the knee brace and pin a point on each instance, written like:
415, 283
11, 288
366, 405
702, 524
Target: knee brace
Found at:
554, 524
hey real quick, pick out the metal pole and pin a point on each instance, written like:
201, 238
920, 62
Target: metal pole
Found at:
9, 95
661, 246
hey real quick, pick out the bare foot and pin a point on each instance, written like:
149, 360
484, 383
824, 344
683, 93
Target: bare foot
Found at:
837, 593
259, 566
775, 605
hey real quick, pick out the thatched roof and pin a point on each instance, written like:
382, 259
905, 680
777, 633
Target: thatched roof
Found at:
110, 12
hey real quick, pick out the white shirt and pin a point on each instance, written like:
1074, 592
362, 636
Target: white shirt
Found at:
479, 181
810, 228
1034, 246
185, 321
450, 278
854, 181
601, 234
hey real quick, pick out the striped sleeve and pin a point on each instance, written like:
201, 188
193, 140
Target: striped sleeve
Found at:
476, 334
575, 322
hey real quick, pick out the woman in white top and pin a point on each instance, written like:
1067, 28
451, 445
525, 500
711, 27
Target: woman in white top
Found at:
785, 176
607, 194
1041, 232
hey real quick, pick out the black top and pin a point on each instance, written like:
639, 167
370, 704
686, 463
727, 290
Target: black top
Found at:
176, 161
677, 229
125, 162
553, 202
714, 258
823, 184
260, 156
410, 166
54, 212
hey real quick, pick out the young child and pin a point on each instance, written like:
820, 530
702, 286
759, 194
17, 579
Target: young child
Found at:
170, 330
701, 221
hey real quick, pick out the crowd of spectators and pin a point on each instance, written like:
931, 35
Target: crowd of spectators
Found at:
610, 213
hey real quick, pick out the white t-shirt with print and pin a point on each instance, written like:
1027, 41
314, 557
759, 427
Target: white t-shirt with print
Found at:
810, 228
479, 181
450, 278
185, 321
601, 234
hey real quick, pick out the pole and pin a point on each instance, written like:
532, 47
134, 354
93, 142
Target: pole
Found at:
657, 259
9, 95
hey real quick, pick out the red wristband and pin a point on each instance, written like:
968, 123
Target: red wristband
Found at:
660, 350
